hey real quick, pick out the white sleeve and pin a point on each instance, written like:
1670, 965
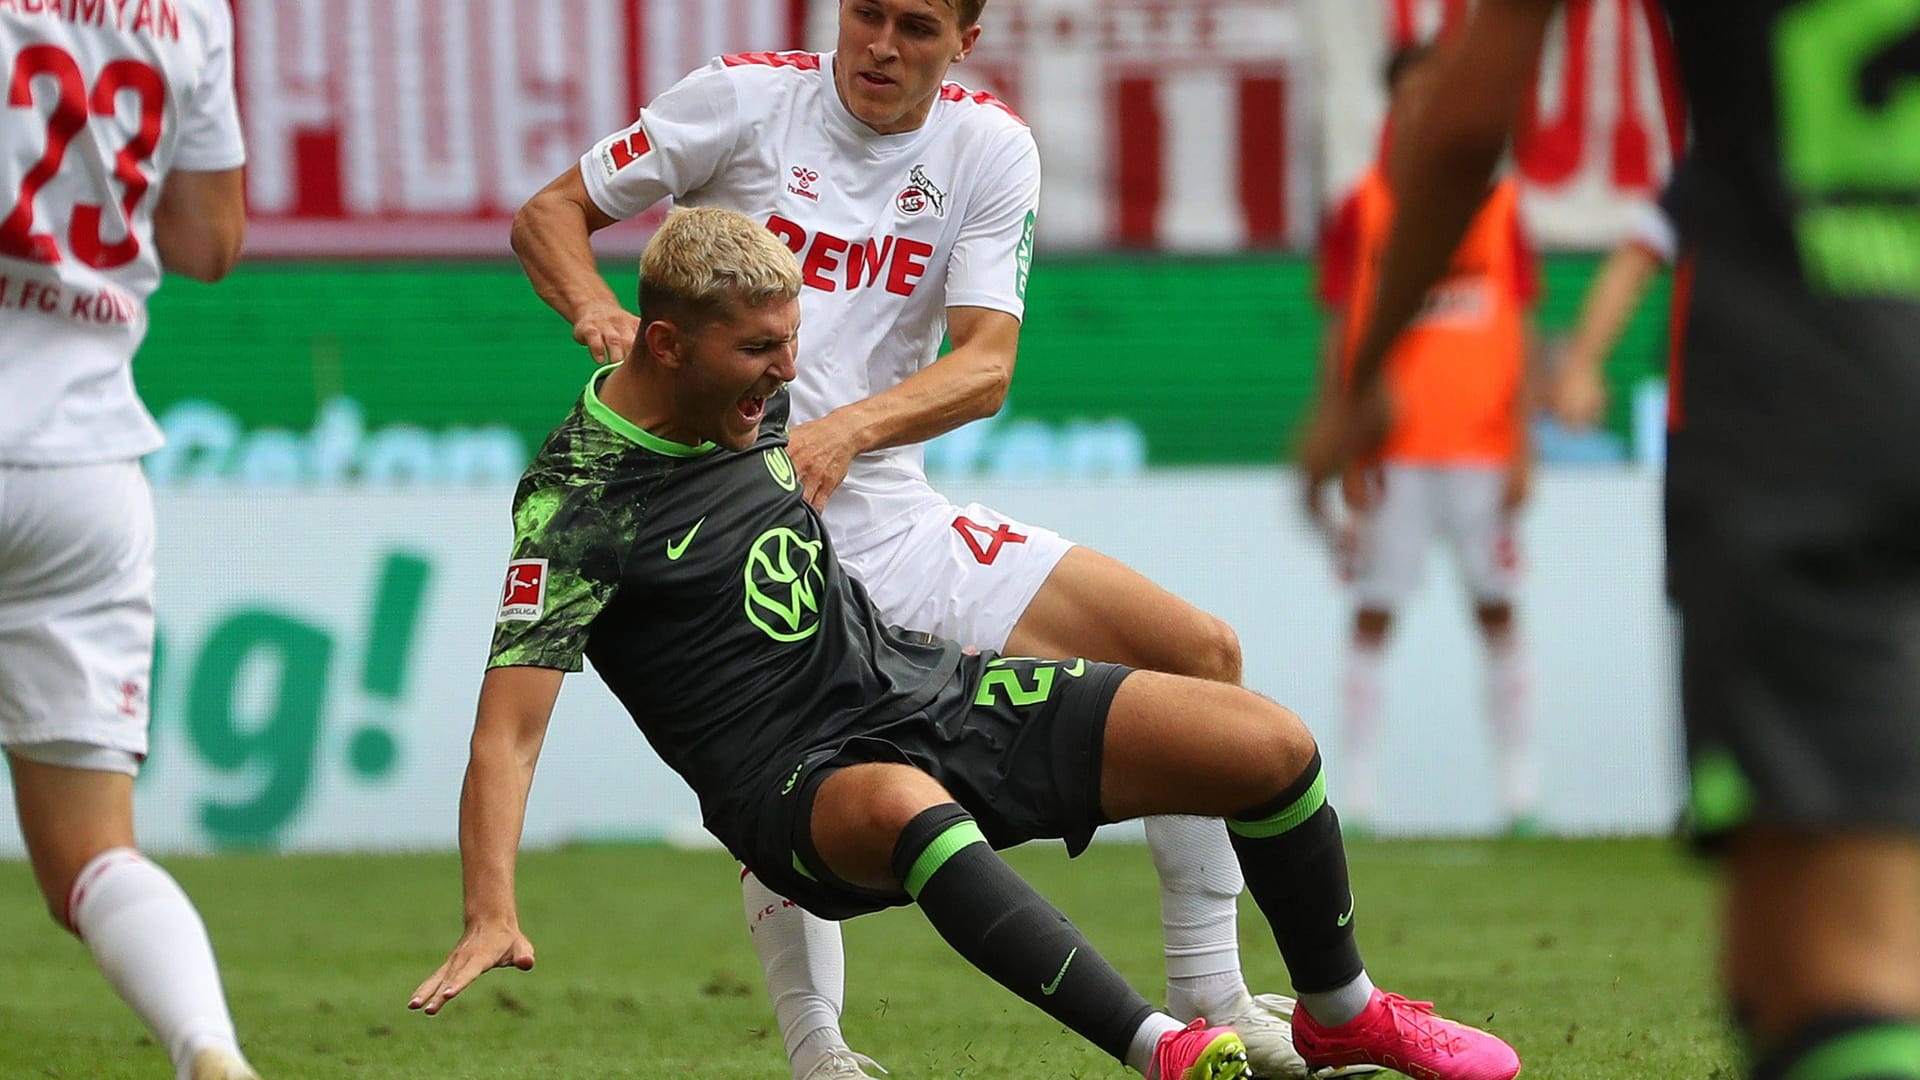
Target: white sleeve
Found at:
1653, 230
994, 251
210, 139
683, 139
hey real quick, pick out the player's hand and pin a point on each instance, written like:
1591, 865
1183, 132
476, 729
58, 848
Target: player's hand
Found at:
821, 450
1578, 396
608, 332
1519, 485
482, 948
1343, 434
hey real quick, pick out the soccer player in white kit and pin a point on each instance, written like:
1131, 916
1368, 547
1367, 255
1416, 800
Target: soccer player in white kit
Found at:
120, 154
910, 203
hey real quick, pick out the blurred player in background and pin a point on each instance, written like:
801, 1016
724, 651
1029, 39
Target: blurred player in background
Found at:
1793, 481
1577, 392
1456, 463
120, 155
910, 203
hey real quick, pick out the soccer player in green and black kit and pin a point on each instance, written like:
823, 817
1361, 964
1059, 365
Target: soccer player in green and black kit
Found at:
852, 765
1793, 484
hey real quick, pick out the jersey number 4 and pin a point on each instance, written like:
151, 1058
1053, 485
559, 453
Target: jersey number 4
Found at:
985, 543
72, 107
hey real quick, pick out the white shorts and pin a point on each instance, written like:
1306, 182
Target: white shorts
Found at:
965, 573
76, 606
1383, 552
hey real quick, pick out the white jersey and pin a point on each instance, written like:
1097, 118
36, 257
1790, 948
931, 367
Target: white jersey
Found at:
117, 94
890, 230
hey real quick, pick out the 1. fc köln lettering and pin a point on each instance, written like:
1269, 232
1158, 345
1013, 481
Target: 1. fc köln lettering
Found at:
829, 263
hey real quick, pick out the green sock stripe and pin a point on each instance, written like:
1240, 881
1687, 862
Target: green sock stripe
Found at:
959, 835
1303, 808
1890, 1050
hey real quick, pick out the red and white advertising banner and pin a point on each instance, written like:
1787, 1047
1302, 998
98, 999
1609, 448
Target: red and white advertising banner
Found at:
418, 127
1599, 134
1182, 125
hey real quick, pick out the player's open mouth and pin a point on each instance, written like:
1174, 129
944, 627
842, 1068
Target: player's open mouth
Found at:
751, 409
872, 79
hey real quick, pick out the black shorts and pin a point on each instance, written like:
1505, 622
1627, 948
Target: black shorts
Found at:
1800, 655
1017, 741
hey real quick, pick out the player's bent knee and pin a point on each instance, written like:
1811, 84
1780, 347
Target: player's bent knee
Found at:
1220, 652
1277, 748
1209, 650
860, 813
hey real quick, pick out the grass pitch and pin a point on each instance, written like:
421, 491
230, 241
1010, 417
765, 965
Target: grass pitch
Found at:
1593, 958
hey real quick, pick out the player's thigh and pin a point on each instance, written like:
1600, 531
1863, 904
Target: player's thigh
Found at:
76, 606
1800, 676
1097, 607
1481, 533
1383, 550
964, 573
1176, 745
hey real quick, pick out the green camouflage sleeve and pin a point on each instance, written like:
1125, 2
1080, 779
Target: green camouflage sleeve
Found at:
564, 570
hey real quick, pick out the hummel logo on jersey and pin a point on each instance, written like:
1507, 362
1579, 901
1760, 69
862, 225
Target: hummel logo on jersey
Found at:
803, 179
674, 551
525, 597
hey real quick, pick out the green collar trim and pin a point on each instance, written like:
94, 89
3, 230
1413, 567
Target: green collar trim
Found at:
631, 431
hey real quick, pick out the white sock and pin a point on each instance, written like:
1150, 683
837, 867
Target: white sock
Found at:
1363, 696
1333, 1008
1200, 887
1146, 1040
1510, 714
805, 966
151, 945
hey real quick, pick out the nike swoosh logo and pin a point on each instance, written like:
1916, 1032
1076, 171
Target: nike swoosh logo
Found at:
1061, 974
1343, 920
674, 551
1078, 669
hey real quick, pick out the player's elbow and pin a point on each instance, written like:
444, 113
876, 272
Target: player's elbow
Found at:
996, 380
222, 254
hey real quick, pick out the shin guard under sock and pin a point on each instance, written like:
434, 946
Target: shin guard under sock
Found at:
1296, 869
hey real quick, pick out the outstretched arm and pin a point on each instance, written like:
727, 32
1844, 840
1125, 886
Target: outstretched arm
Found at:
967, 384
511, 723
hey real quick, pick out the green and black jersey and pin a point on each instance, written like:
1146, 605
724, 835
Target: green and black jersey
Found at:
706, 593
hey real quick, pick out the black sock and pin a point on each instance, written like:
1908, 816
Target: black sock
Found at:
1296, 869
994, 919
1846, 1046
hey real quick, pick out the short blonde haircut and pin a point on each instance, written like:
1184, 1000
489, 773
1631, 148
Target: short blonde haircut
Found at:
705, 259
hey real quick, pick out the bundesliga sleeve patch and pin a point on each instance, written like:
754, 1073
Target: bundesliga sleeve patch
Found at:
624, 150
525, 597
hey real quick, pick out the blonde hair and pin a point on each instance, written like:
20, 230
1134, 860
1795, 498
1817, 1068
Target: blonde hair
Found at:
706, 259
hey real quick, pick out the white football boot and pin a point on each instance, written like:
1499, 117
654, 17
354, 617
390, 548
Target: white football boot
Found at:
841, 1063
1265, 1024
218, 1063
